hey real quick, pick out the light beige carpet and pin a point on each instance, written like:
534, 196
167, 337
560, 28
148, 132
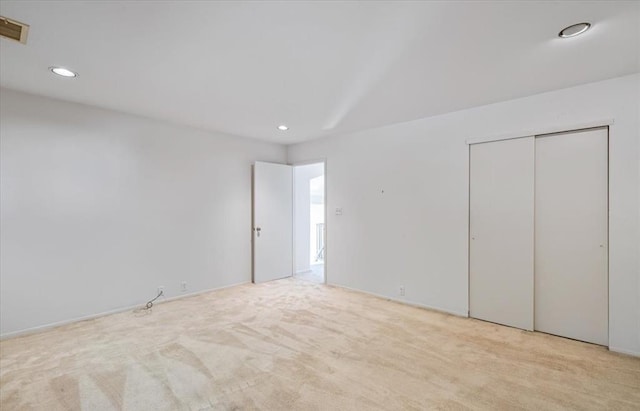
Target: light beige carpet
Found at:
297, 345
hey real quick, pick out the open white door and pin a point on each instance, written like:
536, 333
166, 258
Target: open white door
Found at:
272, 221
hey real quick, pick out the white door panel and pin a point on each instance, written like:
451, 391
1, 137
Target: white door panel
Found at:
571, 280
272, 221
501, 232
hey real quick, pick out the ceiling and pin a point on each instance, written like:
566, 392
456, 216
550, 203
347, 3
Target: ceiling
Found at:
322, 68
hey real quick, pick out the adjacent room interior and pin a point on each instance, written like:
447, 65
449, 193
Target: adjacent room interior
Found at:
319, 205
309, 216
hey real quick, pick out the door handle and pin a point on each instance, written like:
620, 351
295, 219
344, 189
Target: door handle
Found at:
257, 229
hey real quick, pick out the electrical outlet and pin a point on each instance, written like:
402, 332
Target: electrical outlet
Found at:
161, 289
402, 290
183, 286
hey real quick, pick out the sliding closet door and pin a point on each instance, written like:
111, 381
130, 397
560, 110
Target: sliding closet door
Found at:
571, 285
501, 232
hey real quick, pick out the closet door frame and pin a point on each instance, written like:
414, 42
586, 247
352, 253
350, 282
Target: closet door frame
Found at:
609, 123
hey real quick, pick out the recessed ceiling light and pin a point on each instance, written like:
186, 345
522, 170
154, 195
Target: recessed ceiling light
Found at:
61, 71
574, 30
282, 127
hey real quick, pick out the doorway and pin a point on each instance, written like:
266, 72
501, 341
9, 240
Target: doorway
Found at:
309, 222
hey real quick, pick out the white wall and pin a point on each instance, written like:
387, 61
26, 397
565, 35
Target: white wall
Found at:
415, 233
99, 208
302, 174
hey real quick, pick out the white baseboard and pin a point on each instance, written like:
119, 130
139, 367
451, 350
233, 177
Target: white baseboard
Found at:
45, 327
625, 351
411, 303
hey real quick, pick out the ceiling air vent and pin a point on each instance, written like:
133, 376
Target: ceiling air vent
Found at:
13, 30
